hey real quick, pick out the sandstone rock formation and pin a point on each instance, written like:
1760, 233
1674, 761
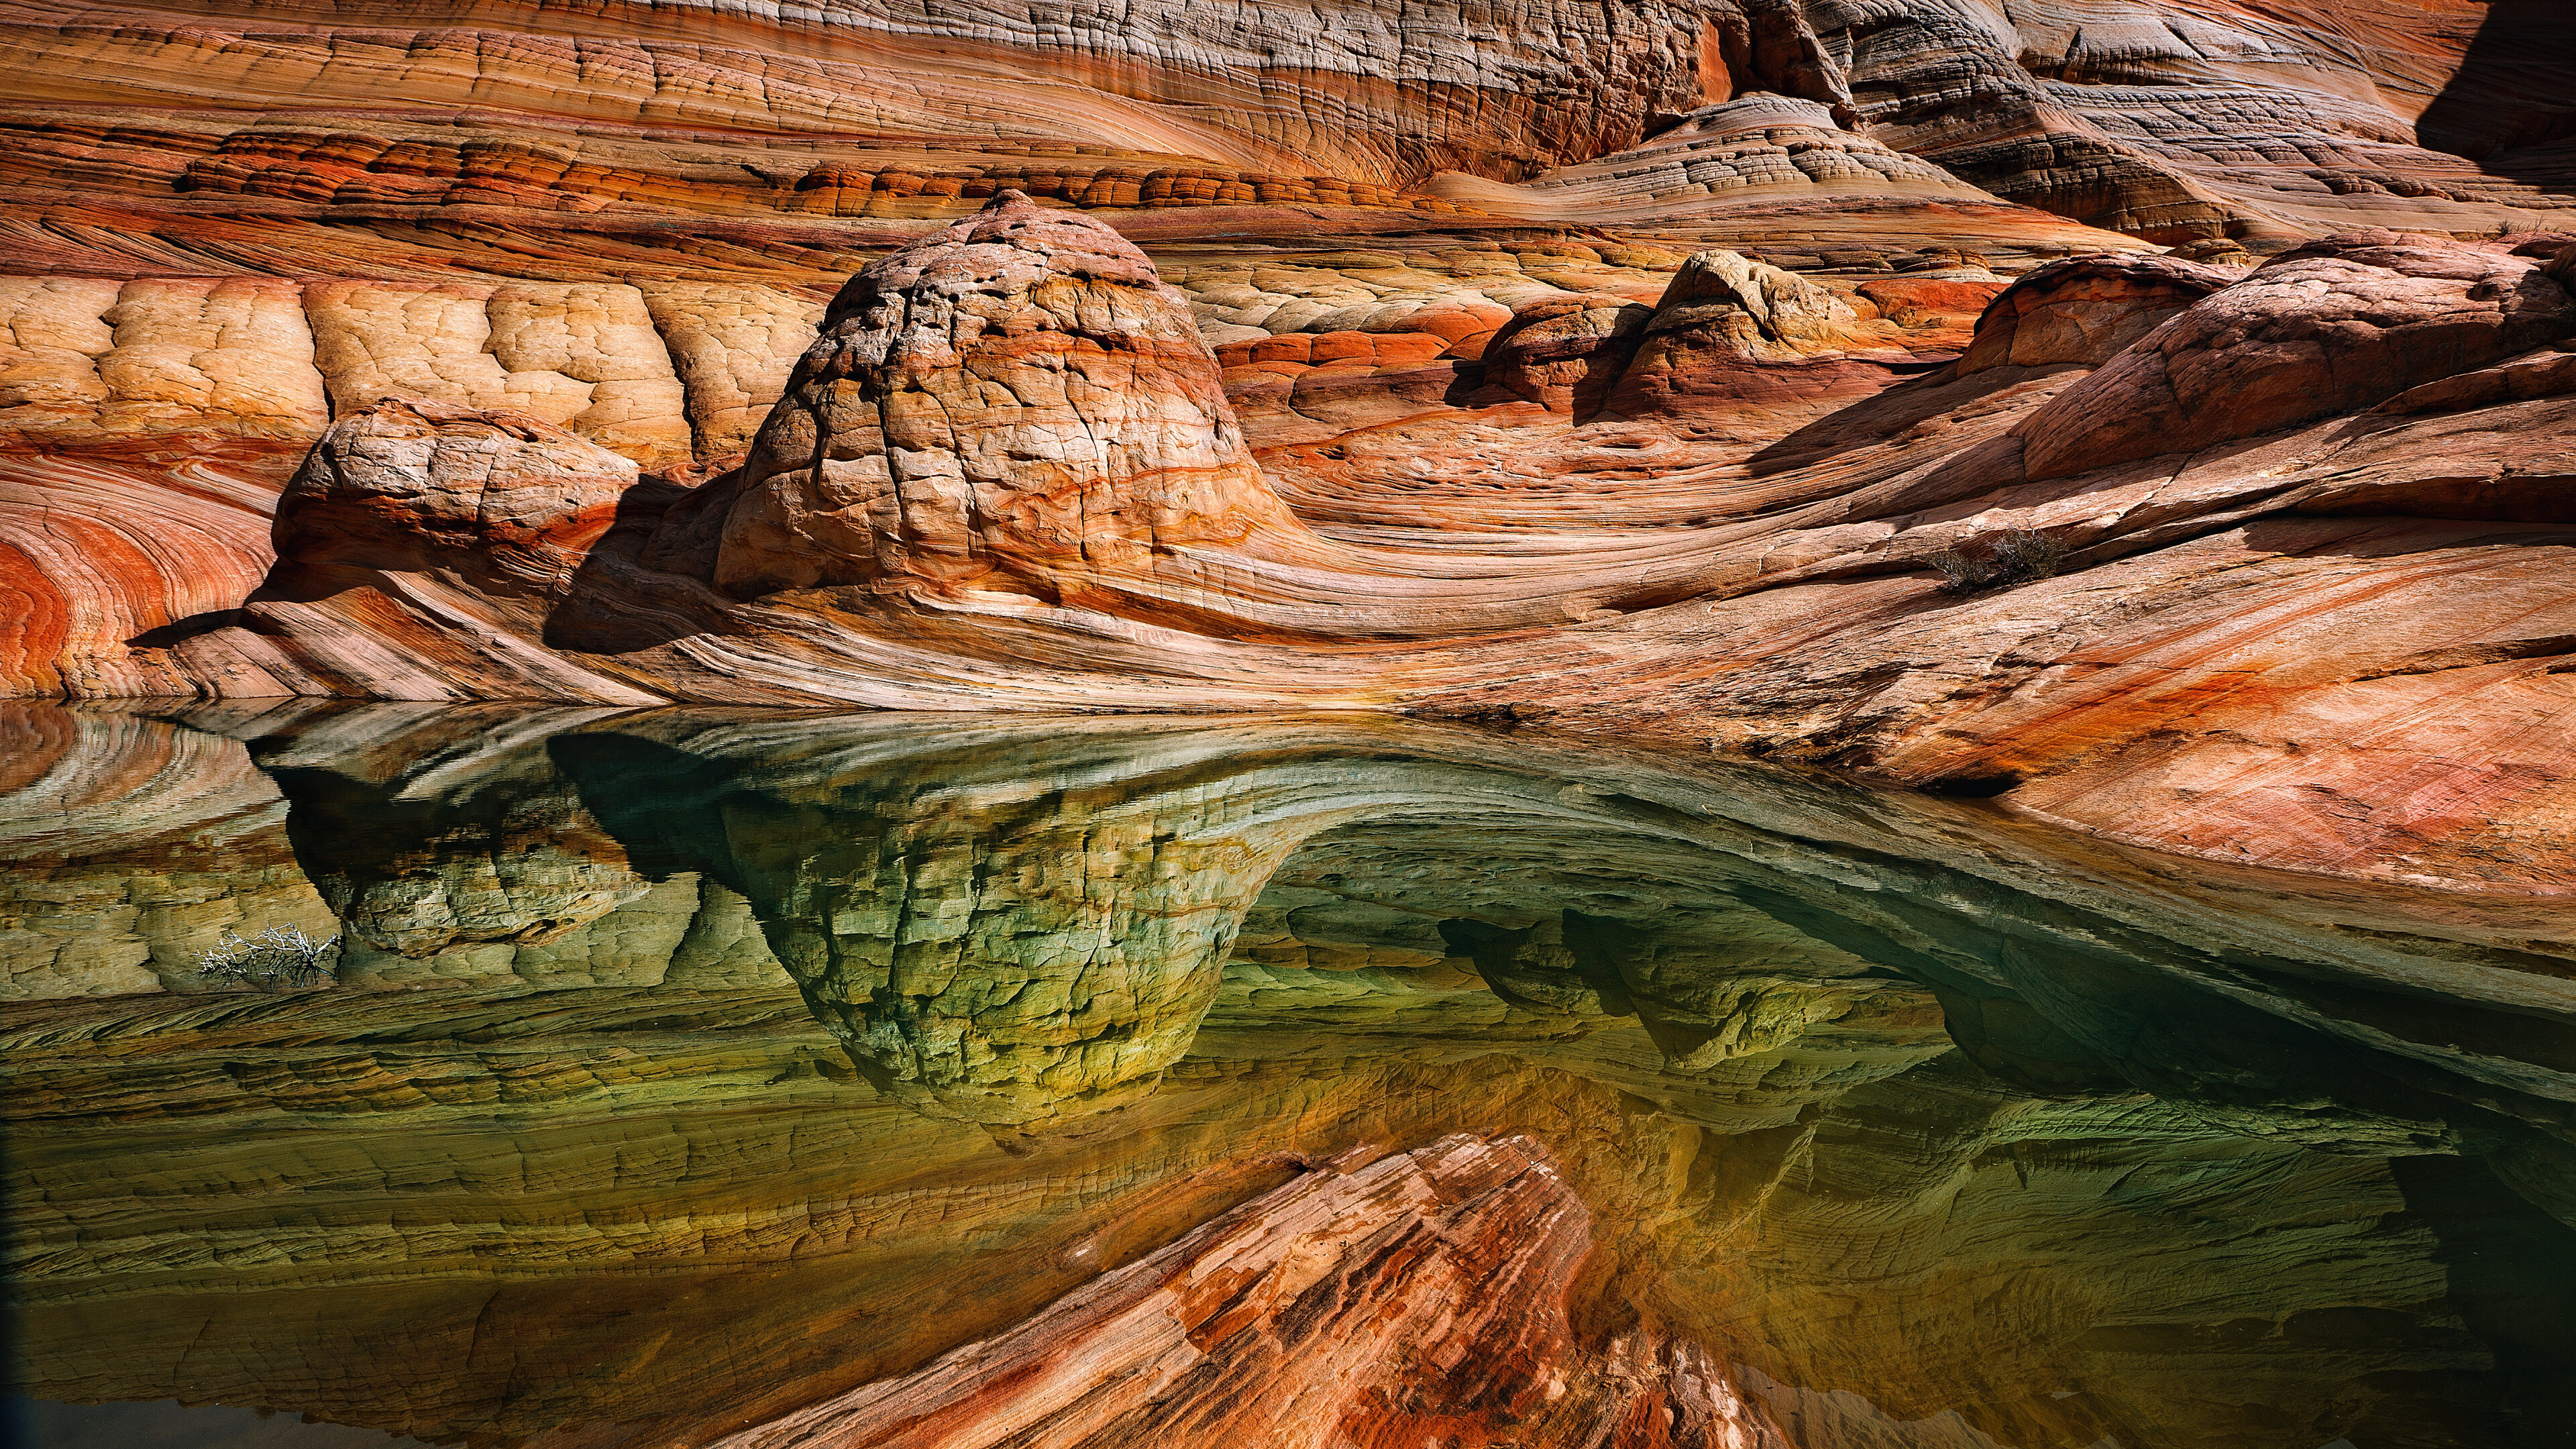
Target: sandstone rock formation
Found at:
1357, 1304
1589, 379
1565, 353
413, 485
2331, 327
2084, 311
1730, 331
1105, 543
1017, 404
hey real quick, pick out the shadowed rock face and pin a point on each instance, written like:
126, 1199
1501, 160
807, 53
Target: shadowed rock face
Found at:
1831, 1083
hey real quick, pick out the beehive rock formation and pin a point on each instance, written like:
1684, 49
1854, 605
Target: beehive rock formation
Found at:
1017, 404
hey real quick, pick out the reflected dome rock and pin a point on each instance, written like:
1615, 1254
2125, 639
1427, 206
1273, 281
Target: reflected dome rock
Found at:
929, 1062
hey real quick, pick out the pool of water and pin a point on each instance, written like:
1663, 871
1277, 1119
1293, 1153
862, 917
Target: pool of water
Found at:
678, 1071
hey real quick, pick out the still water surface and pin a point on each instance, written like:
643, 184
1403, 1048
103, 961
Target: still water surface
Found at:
684, 1068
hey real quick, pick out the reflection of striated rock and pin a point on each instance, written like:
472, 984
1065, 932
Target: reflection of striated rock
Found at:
1363, 1303
1017, 404
661, 1199
454, 854
985, 950
132, 849
1014, 921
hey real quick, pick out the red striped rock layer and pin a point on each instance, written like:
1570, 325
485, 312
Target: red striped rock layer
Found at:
1253, 86
2169, 120
1370, 1303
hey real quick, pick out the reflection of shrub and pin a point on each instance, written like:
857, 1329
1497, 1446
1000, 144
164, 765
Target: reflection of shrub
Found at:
277, 958
2015, 557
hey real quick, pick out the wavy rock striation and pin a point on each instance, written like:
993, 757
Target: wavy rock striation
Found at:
1363, 1304
2224, 460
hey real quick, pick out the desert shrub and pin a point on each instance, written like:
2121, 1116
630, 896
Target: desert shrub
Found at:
2016, 556
276, 959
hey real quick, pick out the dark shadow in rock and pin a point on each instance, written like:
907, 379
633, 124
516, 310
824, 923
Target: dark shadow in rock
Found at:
179, 631
2507, 106
645, 582
2508, 1265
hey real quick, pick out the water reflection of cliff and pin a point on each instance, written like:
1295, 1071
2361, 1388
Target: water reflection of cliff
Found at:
836, 1042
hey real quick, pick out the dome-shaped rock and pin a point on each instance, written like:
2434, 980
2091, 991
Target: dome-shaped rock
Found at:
1015, 404
1563, 352
1730, 330
2084, 310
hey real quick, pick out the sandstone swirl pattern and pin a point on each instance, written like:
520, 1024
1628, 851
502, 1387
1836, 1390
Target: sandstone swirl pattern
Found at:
1621, 367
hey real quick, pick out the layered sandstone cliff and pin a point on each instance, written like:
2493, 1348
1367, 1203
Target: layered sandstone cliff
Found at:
231, 224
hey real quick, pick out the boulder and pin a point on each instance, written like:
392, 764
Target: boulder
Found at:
2084, 310
406, 484
1732, 330
1563, 353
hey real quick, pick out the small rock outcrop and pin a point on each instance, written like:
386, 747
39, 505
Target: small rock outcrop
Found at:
1015, 404
2336, 325
410, 484
1419, 1296
1563, 353
2084, 310
1730, 330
